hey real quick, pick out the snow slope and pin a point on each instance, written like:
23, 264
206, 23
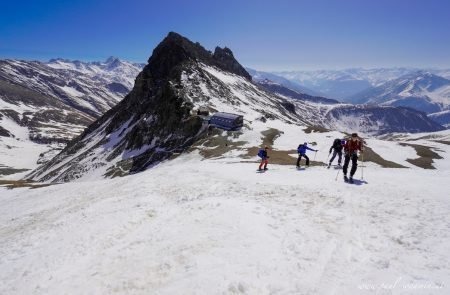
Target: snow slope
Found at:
221, 228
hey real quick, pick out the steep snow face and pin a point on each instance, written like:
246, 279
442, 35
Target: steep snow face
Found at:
211, 88
197, 226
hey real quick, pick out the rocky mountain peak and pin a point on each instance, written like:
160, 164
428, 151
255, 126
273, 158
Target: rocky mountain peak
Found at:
112, 59
225, 59
176, 49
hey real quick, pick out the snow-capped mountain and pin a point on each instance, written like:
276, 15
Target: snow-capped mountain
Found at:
379, 119
92, 88
420, 90
45, 105
33, 127
113, 70
158, 119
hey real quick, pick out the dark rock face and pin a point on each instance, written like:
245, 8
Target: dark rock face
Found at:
4, 132
225, 60
175, 49
117, 87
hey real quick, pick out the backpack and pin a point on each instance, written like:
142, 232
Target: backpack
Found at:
337, 143
261, 153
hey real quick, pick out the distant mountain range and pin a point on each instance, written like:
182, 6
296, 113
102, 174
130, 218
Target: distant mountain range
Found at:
342, 84
281, 89
258, 76
49, 103
419, 90
424, 90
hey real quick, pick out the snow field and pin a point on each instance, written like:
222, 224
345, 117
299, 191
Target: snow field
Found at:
207, 227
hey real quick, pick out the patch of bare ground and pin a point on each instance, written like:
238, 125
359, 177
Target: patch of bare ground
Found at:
10, 184
426, 156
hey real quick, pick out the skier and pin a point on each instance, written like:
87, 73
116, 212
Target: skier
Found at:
301, 150
351, 148
337, 147
263, 155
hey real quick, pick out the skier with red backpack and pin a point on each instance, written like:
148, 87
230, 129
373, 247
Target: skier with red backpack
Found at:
351, 148
262, 153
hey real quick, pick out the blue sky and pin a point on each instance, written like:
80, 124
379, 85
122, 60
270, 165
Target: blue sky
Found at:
266, 35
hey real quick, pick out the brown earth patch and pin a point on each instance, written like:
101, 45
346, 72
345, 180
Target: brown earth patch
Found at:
370, 156
215, 144
315, 128
426, 156
10, 184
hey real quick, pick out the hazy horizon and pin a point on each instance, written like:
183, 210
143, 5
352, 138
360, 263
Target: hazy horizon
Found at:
103, 59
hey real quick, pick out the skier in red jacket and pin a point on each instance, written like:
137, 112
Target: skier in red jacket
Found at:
351, 148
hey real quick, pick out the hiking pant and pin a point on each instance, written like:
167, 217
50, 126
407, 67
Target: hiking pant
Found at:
354, 158
263, 162
300, 157
336, 152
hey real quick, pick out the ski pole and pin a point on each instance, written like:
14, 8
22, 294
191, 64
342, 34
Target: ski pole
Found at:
362, 167
339, 170
315, 156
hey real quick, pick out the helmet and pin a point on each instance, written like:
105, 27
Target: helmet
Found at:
305, 143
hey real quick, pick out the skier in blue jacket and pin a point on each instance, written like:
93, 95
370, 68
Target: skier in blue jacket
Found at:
302, 153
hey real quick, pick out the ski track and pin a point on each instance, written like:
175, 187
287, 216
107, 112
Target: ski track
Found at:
218, 229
